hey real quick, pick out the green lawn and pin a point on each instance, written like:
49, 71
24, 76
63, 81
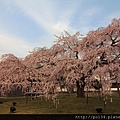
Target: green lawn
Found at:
68, 105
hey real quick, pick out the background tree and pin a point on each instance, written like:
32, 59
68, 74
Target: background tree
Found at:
15, 75
101, 51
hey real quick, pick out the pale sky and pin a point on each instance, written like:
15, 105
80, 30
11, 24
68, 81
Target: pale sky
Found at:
26, 24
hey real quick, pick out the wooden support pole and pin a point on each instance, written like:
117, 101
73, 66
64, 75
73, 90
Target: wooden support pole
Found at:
31, 96
87, 95
26, 98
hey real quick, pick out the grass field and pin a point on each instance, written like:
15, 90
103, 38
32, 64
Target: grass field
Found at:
67, 105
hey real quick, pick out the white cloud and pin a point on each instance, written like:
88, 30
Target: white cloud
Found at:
14, 45
92, 11
38, 11
47, 15
60, 26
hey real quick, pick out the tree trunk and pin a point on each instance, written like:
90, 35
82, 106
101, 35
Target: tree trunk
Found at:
80, 90
71, 90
